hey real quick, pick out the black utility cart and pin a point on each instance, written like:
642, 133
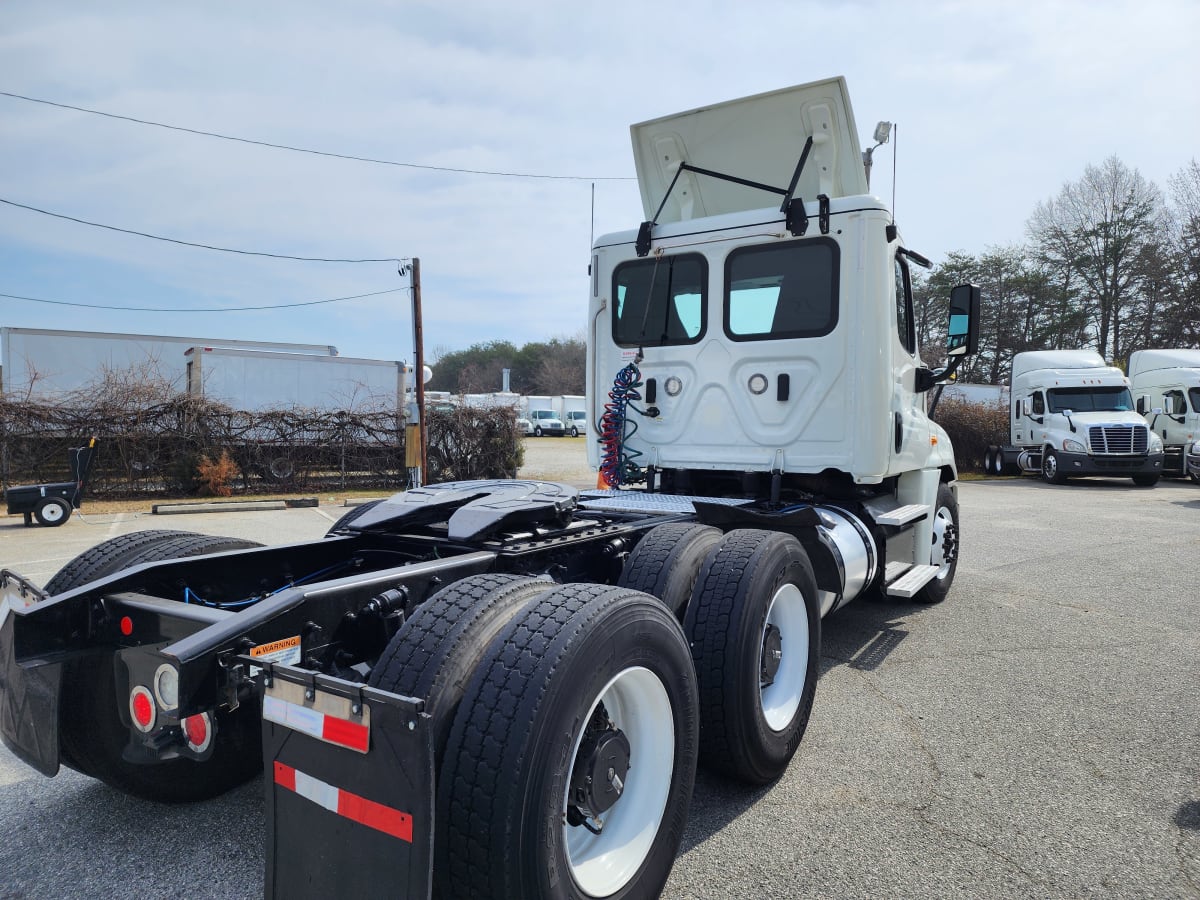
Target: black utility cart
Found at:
51, 504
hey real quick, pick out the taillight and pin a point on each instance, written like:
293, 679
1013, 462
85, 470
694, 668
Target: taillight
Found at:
142, 709
198, 732
166, 686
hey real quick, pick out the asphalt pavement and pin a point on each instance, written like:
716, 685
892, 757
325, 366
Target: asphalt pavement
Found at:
1036, 735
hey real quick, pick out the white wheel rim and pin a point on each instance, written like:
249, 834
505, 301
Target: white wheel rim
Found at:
781, 698
1051, 466
638, 704
943, 522
52, 512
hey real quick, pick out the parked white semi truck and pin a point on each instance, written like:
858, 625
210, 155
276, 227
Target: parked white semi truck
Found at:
1071, 414
504, 688
1166, 388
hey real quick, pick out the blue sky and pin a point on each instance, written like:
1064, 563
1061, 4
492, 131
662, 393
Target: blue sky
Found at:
997, 106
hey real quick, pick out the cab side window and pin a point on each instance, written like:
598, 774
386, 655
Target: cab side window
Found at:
1178, 403
1039, 404
904, 308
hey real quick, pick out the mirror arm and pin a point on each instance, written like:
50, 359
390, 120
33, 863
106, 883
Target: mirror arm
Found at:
927, 378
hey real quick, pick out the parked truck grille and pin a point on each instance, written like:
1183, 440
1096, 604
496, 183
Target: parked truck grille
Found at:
1114, 439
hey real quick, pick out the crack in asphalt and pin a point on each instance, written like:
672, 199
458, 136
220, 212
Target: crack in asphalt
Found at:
922, 809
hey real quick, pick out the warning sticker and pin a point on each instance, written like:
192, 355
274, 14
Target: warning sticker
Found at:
286, 651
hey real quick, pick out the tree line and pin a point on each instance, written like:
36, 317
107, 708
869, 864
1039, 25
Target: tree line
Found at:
555, 366
1111, 263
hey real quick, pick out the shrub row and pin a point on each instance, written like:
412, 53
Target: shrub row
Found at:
973, 427
169, 447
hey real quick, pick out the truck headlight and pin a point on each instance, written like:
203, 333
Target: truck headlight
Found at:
1196, 449
1156, 443
1074, 446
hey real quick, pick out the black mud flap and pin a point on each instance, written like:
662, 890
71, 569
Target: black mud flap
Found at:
349, 785
29, 695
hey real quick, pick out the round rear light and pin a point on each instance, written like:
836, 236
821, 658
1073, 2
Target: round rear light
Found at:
198, 731
141, 708
166, 686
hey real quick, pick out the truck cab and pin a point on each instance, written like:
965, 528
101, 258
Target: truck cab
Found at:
1071, 414
1166, 389
771, 343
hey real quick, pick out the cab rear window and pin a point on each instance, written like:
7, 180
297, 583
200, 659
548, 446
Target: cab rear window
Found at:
786, 290
660, 301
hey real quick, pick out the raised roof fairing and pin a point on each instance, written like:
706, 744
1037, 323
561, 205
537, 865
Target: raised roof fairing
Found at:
759, 138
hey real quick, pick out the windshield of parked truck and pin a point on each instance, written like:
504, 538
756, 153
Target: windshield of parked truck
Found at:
1090, 399
1194, 396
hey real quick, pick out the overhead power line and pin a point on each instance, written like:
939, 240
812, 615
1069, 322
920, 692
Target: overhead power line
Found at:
157, 237
274, 146
174, 309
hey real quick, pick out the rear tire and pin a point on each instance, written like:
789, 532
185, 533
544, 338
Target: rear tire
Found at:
755, 630
989, 461
667, 561
105, 559
578, 668
439, 646
92, 737
350, 515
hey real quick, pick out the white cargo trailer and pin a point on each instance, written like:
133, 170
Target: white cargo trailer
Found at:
46, 364
259, 379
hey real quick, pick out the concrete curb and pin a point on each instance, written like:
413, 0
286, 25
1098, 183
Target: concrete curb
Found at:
175, 509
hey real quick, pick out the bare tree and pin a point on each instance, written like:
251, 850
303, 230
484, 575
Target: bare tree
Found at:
1099, 228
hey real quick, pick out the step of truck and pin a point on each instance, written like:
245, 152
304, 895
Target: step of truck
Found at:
915, 578
902, 515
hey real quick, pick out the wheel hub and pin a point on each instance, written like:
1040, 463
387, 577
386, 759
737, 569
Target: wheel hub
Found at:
772, 656
598, 776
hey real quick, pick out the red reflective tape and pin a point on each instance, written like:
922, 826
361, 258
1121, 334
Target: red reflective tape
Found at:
351, 806
285, 776
375, 815
348, 734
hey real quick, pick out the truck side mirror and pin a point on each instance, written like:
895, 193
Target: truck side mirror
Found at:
1168, 406
962, 332
1027, 406
1143, 404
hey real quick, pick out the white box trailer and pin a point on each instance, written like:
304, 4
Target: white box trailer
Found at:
46, 364
1070, 413
1166, 387
259, 379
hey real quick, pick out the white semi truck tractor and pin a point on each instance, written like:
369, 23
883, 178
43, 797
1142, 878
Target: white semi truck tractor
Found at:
1071, 414
1166, 388
504, 688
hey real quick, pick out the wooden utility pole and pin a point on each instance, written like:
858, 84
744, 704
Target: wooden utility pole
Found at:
419, 366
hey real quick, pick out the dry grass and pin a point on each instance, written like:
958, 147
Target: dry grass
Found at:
105, 507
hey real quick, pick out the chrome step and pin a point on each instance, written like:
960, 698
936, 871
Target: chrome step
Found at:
903, 515
911, 581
